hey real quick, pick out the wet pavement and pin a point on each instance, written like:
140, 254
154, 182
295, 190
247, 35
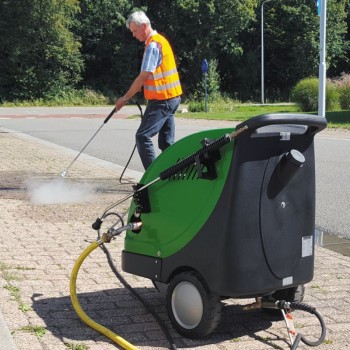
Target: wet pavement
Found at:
335, 243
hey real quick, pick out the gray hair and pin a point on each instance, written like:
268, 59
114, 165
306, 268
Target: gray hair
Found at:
138, 17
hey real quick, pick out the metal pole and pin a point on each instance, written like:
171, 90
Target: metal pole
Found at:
262, 52
322, 66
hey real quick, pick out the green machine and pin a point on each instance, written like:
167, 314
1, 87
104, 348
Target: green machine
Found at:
227, 213
223, 213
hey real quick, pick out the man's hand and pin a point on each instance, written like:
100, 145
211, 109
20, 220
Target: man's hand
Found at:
134, 88
121, 102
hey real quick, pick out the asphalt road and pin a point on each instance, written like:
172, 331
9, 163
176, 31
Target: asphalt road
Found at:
73, 128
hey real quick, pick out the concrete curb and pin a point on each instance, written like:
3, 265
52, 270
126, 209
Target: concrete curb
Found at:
133, 174
6, 342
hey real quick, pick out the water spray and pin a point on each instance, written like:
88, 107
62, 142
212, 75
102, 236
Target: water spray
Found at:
65, 171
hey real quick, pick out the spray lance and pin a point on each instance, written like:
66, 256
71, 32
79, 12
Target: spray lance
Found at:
64, 172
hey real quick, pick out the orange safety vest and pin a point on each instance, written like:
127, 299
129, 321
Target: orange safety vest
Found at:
164, 82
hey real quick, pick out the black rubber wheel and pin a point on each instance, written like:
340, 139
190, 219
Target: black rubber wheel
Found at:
193, 310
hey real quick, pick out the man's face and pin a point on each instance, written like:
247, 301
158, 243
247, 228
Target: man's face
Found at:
138, 32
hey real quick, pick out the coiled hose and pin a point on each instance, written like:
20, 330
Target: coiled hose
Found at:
300, 337
73, 294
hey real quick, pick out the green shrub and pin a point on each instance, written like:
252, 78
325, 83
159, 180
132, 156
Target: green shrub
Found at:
211, 80
305, 95
73, 97
64, 97
343, 85
219, 105
223, 104
332, 97
196, 106
344, 98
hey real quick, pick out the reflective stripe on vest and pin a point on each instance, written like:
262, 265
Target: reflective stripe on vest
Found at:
164, 74
162, 87
164, 83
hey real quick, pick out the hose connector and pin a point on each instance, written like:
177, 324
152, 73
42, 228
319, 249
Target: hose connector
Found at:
270, 303
112, 231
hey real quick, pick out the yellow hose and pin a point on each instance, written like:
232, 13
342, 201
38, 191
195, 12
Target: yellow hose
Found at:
73, 294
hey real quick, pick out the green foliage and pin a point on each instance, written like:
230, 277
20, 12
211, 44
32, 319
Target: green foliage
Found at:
338, 31
54, 45
231, 110
76, 346
340, 119
211, 80
344, 97
201, 29
65, 97
110, 52
343, 85
74, 97
196, 106
38, 52
218, 105
39, 331
305, 94
291, 47
332, 97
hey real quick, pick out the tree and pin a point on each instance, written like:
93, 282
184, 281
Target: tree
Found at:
291, 45
38, 52
109, 51
338, 37
48, 45
201, 29
196, 30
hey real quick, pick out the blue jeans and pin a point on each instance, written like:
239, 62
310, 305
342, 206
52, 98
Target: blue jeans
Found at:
158, 119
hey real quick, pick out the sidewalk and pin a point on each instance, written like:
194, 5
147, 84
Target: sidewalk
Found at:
40, 243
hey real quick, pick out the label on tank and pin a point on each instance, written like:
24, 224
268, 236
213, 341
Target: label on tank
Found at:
307, 246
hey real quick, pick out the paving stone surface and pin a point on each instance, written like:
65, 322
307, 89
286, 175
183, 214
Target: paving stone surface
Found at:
39, 244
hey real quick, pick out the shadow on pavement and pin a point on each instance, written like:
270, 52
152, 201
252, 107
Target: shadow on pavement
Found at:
120, 312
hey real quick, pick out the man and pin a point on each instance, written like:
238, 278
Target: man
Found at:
161, 85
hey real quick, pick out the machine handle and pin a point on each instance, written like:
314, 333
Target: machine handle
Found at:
109, 116
315, 123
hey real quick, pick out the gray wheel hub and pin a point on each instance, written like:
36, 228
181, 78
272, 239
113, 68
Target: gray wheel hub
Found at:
187, 305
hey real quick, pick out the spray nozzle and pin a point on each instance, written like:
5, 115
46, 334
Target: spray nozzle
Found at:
64, 173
